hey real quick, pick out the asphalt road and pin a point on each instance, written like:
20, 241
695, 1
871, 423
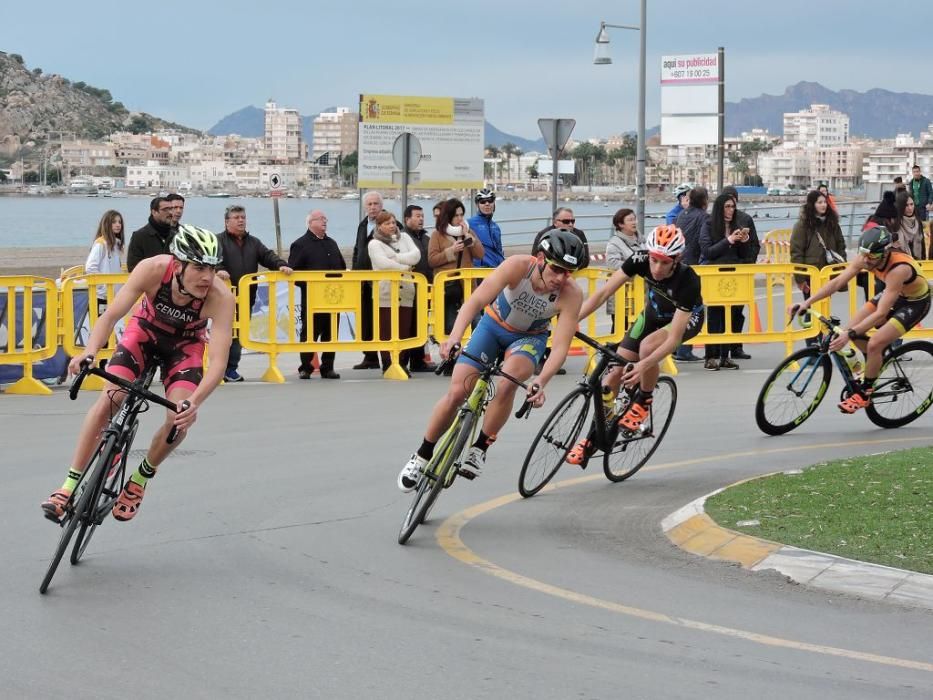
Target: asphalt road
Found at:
264, 562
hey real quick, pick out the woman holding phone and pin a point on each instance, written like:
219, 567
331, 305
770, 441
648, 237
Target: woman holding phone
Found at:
723, 242
453, 246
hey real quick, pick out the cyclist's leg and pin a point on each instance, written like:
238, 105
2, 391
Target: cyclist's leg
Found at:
128, 361
182, 372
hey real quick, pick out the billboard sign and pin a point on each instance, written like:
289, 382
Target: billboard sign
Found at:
450, 131
690, 99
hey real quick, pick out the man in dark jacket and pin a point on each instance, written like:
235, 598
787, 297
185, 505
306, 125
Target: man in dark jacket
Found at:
316, 251
153, 238
564, 220
414, 226
243, 254
372, 205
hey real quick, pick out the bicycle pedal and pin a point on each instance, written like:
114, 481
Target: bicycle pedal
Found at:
469, 476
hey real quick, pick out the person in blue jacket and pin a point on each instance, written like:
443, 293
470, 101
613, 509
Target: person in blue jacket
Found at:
488, 231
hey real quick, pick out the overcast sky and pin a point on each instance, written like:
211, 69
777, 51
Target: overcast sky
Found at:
194, 62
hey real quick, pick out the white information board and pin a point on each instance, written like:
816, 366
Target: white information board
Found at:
450, 130
690, 99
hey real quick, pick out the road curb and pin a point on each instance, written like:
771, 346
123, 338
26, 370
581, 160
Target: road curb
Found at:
691, 529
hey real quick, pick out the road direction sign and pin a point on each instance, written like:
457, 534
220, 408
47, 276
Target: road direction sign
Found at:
556, 132
414, 151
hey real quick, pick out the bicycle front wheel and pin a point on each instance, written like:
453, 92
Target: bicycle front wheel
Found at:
554, 440
74, 516
904, 388
437, 475
106, 482
631, 452
793, 391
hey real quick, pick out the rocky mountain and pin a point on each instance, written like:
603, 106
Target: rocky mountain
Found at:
876, 113
33, 104
249, 122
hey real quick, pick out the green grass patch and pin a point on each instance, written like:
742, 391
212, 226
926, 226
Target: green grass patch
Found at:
877, 509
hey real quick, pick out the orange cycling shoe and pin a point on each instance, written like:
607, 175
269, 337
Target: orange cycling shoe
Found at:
855, 402
128, 503
633, 418
578, 453
54, 505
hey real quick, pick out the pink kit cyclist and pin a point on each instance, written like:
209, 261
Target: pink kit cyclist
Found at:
180, 294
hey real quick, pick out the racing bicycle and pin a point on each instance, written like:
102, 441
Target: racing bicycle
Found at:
442, 469
624, 452
103, 477
794, 390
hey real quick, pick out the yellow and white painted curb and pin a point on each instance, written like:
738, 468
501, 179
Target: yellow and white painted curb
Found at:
691, 529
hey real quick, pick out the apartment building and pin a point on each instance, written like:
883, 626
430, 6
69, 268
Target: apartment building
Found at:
283, 142
335, 133
819, 126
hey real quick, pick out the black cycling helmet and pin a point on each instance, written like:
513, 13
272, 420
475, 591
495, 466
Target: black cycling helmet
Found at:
875, 240
485, 194
564, 249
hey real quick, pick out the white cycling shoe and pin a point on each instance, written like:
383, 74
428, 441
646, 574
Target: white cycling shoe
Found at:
410, 475
472, 465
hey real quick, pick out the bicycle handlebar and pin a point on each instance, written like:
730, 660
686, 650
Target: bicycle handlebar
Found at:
493, 368
599, 347
88, 368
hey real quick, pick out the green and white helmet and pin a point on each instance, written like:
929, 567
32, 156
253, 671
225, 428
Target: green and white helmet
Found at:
196, 245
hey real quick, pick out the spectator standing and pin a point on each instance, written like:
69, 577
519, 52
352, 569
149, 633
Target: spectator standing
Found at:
823, 189
922, 191
153, 238
487, 230
178, 209
748, 252
414, 227
315, 250
719, 241
899, 185
908, 229
690, 221
391, 249
452, 247
682, 195
372, 205
623, 244
564, 220
816, 238
243, 253
106, 255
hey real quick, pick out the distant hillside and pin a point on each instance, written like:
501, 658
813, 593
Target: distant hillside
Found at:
249, 122
876, 113
33, 104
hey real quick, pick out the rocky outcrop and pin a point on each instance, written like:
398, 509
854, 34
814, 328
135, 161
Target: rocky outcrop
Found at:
33, 105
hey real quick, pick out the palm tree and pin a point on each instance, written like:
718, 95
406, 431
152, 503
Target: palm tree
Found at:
494, 152
508, 149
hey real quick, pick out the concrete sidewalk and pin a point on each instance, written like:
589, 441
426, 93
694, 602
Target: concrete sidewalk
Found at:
691, 529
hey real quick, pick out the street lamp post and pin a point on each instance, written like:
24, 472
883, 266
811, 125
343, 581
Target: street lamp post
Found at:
602, 58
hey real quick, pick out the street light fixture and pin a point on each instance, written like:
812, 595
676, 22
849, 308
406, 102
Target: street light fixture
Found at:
601, 57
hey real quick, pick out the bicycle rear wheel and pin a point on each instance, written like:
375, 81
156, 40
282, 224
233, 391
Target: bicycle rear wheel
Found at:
631, 452
74, 516
904, 388
107, 481
554, 440
437, 474
793, 391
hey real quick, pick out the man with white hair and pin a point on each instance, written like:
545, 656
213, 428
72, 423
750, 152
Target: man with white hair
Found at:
372, 205
315, 250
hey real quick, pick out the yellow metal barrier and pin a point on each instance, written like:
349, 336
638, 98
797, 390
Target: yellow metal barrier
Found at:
777, 245
744, 285
23, 345
330, 293
76, 326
